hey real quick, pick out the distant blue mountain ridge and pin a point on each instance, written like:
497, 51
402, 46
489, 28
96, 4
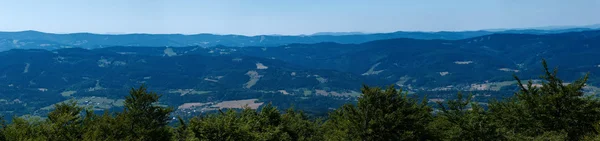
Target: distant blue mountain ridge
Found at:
50, 41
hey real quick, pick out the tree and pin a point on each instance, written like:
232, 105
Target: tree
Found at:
143, 120
26, 129
66, 122
105, 127
297, 125
268, 124
2, 128
182, 132
466, 120
553, 107
270, 127
380, 115
224, 126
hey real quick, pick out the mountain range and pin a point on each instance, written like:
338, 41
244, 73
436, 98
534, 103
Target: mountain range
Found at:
287, 71
40, 40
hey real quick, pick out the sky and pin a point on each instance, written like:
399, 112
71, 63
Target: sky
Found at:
289, 17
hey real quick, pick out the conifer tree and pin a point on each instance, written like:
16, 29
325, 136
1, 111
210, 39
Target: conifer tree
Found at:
380, 115
299, 127
467, 120
225, 126
142, 118
26, 129
182, 132
553, 107
2, 128
104, 127
65, 122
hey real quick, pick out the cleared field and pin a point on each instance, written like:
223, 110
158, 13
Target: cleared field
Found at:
191, 105
254, 77
183, 92
68, 93
335, 93
232, 104
96, 103
238, 104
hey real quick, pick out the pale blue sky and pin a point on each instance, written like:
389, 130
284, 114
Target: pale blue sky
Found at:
290, 17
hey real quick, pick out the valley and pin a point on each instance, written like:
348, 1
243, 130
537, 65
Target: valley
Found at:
314, 77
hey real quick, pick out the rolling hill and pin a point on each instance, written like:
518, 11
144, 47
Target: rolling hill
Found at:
314, 77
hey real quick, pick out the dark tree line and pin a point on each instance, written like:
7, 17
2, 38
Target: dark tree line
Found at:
553, 111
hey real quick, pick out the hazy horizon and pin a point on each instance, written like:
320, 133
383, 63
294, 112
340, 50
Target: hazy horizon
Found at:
272, 17
488, 29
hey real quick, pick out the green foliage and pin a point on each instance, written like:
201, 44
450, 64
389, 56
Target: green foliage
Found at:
142, 119
2, 129
465, 120
22, 129
182, 132
103, 127
299, 127
553, 107
380, 115
267, 124
65, 122
220, 127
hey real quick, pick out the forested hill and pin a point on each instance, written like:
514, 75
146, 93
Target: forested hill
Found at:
428, 63
313, 77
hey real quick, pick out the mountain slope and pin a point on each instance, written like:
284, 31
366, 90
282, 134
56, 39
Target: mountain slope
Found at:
491, 57
41, 78
313, 77
429, 63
